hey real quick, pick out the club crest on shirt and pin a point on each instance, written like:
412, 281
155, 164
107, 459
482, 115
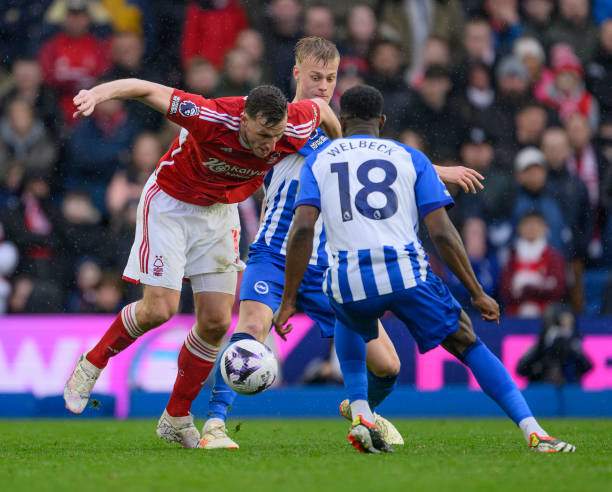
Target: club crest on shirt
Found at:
158, 266
188, 108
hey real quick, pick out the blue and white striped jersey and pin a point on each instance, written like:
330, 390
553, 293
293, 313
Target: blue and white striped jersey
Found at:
371, 193
282, 185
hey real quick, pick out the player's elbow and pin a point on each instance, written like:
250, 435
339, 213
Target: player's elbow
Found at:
303, 231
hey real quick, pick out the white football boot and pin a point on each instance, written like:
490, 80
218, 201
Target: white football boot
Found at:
78, 387
388, 431
214, 436
178, 429
549, 444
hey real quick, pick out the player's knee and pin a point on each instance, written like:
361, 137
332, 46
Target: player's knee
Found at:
214, 325
389, 367
158, 312
464, 337
255, 329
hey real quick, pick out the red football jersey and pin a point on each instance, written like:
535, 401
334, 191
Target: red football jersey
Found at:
207, 164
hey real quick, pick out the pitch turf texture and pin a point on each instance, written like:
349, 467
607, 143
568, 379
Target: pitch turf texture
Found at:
300, 455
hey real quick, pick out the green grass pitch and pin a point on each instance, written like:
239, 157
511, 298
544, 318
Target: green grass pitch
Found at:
300, 455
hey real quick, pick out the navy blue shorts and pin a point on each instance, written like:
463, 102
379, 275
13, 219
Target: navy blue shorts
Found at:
429, 311
264, 281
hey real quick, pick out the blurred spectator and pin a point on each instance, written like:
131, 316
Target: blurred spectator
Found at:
361, 27
531, 54
477, 46
127, 184
512, 94
573, 198
81, 232
27, 85
412, 139
208, 20
127, 52
33, 295
478, 95
530, 122
319, 21
478, 42
435, 52
133, 16
120, 235
109, 293
534, 276
83, 296
31, 221
433, 115
586, 161
347, 78
73, 58
557, 357
494, 203
99, 15
505, 22
165, 54
238, 74
386, 75
201, 78
574, 27
251, 41
599, 70
97, 148
20, 29
9, 256
282, 31
534, 196
566, 92
411, 23
24, 141
483, 261
537, 15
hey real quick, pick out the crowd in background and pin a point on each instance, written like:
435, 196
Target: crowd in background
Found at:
520, 91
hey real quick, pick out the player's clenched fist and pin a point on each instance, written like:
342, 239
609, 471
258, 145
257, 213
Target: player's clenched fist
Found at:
488, 307
281, 316
85, 102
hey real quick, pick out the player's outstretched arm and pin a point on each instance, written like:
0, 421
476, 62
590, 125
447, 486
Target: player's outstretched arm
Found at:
155, 95
329, 121
450, 247
468, 179
299, 250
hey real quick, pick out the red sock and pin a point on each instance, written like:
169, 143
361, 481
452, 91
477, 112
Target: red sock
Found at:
192, 373
120, 335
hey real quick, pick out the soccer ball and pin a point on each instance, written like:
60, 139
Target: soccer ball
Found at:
249, 367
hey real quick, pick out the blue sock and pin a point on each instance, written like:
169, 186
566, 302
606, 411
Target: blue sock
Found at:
379, 388
222, 396
351, 351
495, 381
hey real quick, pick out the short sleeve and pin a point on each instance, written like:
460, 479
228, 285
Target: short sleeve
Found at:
430, 192
309, 193
188, 111
303, 118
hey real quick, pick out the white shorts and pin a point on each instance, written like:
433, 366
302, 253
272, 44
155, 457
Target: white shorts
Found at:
176, 240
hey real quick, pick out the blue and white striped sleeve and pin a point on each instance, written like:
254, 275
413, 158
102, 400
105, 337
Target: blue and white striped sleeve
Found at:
309, 193
431, 194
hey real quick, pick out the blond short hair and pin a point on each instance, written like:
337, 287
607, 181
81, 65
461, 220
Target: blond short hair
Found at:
316, 48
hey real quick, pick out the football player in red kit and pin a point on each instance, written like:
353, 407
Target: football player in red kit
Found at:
188, 227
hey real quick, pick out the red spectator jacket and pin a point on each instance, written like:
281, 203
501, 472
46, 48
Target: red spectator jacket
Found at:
211, 33
544, 281
71, 64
